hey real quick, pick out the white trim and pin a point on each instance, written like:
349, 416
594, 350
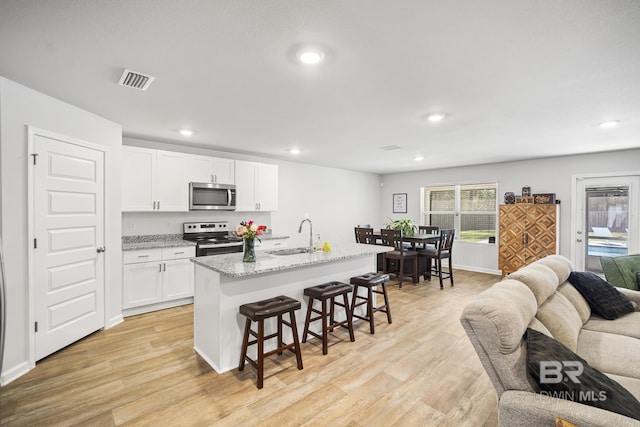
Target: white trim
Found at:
14, 373
575, 179
32, 131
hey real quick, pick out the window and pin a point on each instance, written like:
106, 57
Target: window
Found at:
471, 209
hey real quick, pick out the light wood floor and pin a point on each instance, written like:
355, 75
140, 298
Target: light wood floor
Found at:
419, 371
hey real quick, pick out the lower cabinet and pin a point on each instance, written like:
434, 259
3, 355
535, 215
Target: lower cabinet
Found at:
155, 279
271, 244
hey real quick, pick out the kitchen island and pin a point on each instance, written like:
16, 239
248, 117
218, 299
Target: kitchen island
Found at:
224, 282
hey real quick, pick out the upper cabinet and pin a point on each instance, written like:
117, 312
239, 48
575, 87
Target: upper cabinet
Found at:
154, 180
256, 186
158, 181
211, 169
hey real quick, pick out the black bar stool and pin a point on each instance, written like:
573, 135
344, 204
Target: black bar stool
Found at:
370, 281
324, 292
257, 312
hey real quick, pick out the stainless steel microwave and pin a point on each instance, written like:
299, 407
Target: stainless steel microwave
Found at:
207, 196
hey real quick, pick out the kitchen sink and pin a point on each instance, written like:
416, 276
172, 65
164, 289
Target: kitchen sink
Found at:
289, 251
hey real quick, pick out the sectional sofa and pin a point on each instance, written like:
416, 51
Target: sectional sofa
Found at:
540, 297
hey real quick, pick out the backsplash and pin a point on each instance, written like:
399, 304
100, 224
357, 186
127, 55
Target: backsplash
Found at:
152, 223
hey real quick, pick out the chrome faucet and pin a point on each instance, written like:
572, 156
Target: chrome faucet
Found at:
310, 249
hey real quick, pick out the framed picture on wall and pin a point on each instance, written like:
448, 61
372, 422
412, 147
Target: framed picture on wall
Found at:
400, 203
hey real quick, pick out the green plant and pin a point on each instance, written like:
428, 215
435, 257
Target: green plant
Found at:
407, 226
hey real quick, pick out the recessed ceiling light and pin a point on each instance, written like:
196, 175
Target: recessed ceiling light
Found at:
294, 151
185, 132
609, 124
419, 158
310, 55
435, 117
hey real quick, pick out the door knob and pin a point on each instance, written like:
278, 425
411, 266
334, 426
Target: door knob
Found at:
579, 240
101, 249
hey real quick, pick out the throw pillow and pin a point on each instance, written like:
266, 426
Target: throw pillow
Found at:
561, 373
603, 298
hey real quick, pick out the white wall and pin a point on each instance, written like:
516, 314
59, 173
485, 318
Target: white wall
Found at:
550, 175
335, 199
19, 107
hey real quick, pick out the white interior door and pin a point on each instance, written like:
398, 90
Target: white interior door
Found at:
68, 203
605, 221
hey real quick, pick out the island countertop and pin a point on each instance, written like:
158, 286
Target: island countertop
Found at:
231, 264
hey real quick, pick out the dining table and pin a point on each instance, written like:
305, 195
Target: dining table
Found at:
415, 239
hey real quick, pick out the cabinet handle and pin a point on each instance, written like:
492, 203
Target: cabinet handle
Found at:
160, 265
215, 178
178, 253
154, 205
158, 204
165, 266
143, 256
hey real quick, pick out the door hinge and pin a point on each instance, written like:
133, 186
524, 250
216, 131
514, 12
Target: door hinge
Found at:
35, 243
36, 326
35, 155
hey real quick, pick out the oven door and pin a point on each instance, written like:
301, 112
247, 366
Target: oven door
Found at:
206, 196
218, 248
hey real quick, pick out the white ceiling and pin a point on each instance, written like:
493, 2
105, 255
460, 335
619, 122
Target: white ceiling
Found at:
517, 78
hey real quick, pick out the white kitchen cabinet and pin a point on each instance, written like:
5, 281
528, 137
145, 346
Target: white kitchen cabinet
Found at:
271, 244
155, 279
256, 186
138, 179
154, 180
211, 169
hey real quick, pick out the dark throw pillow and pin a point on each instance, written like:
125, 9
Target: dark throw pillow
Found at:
565, 375
603, 298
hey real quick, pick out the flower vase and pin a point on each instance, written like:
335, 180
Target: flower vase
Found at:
249, 251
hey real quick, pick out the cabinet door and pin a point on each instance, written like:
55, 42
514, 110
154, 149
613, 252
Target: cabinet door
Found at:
138, 179
541, 232
177, 279
200, 169
512, 254
223, 171
245, 173
142, 284
267, 187
172, 181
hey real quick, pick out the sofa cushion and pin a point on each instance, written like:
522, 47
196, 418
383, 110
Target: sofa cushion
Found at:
603, 298
577, 300
560, 265
562, 319
610, 353
541, 279
622, 271
578, 381
626, 325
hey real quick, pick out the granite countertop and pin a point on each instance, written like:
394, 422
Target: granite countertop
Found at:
232, 265
157, 241
154, 241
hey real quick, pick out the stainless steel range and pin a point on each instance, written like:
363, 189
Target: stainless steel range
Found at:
212, 238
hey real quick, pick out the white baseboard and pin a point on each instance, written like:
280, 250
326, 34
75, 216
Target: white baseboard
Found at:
154, 307
14, 373
116, 320
478, 270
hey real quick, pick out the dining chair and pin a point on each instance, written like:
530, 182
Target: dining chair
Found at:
437, 253
428, 229
393, 238
365, 235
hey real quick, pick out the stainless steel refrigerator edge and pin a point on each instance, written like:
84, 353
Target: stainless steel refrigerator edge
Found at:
3, 308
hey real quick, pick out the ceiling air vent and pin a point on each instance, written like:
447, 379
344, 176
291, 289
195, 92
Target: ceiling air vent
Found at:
135, 80
390, 147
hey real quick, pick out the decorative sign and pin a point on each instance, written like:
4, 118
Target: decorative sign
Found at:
400, 203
